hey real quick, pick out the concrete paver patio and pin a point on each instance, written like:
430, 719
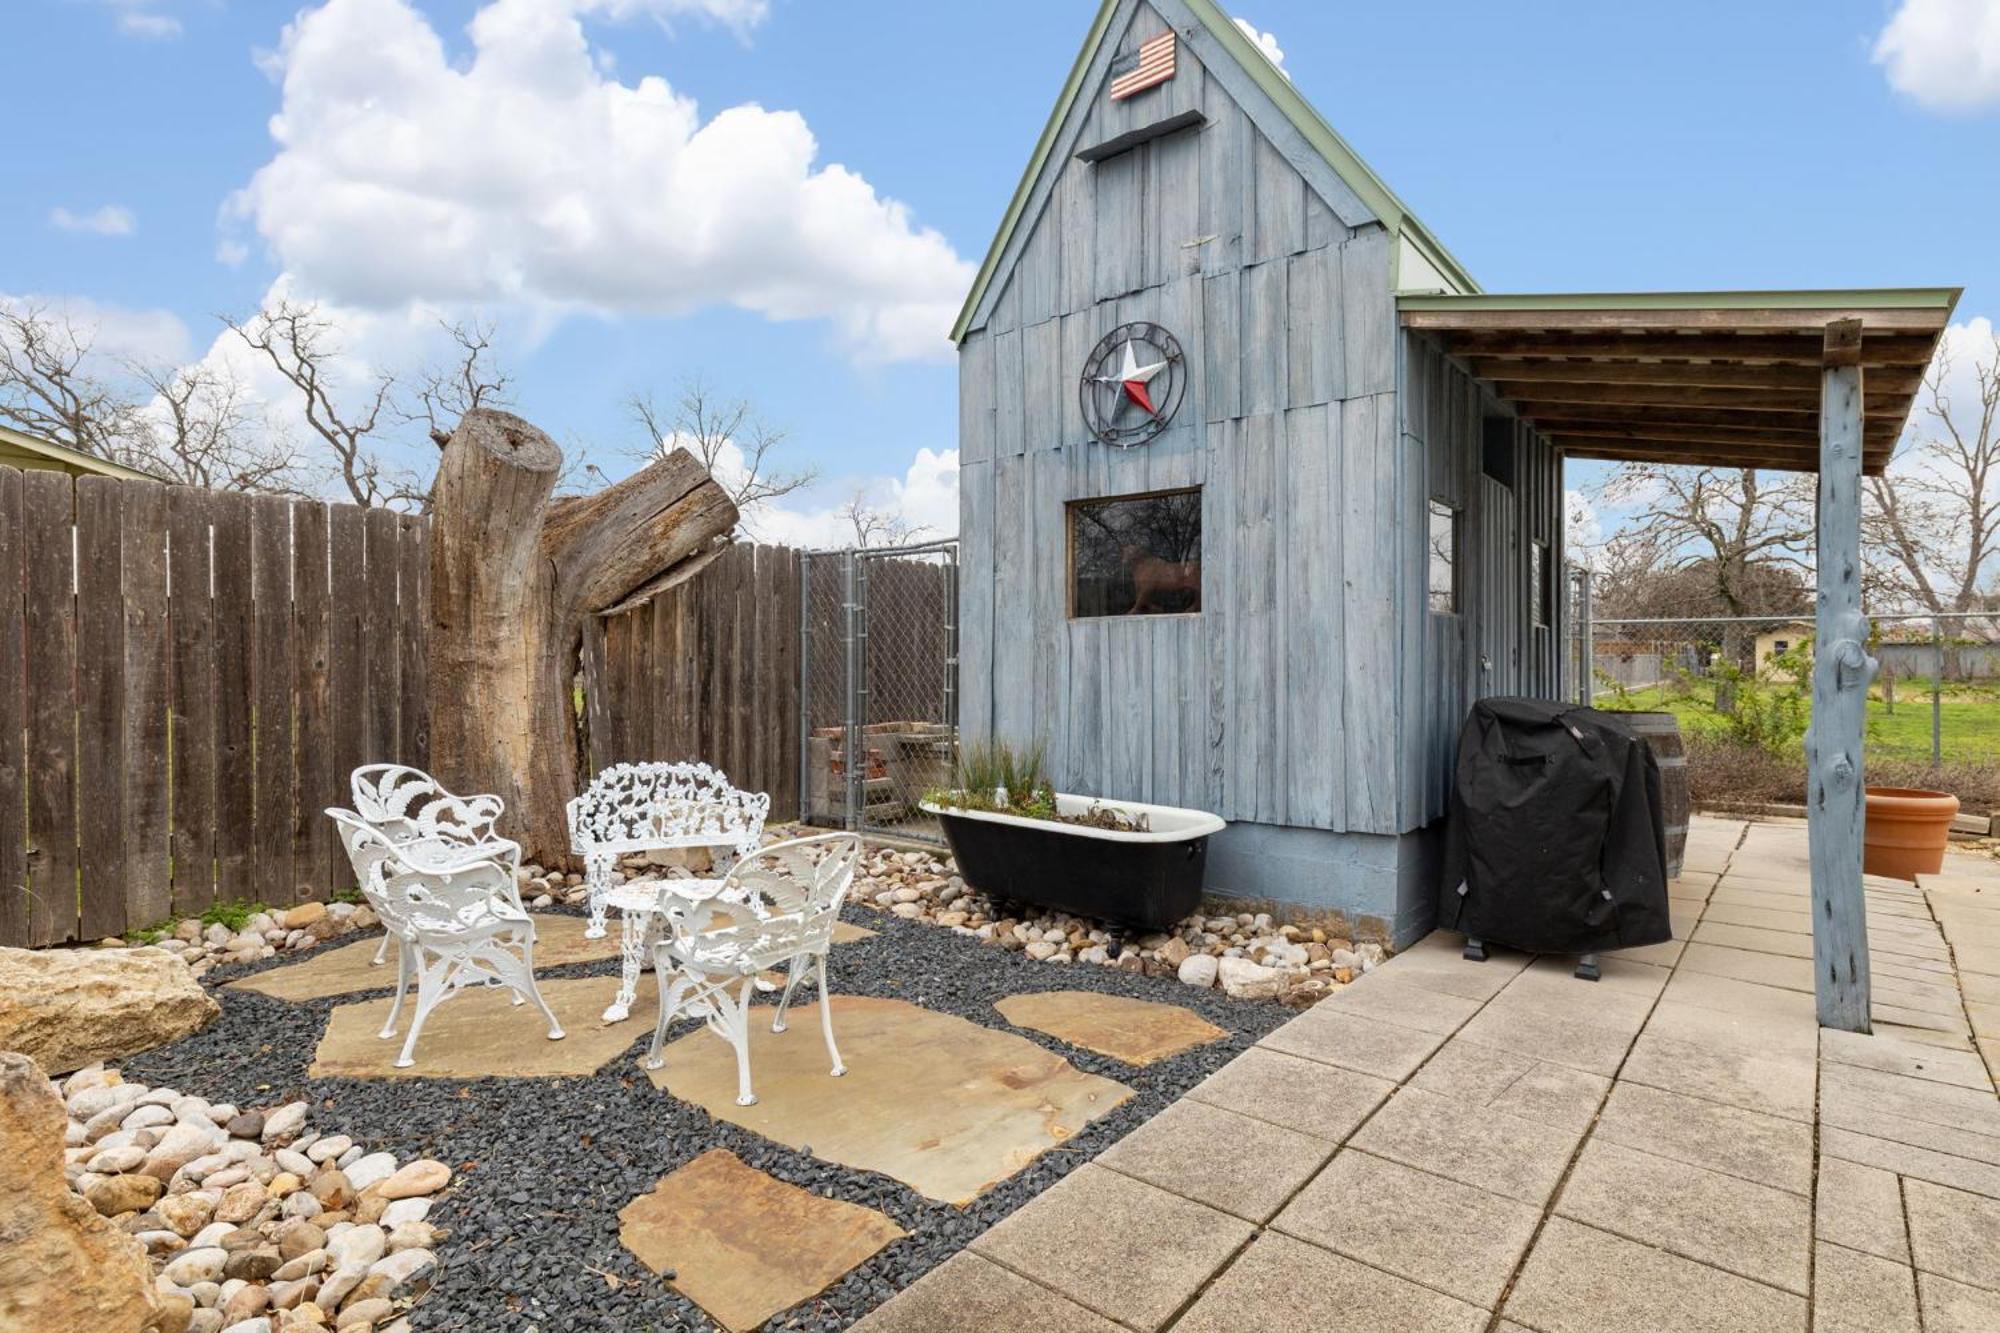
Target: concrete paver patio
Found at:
1500, 1146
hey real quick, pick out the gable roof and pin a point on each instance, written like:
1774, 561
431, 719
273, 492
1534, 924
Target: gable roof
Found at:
33, 453
1347, 164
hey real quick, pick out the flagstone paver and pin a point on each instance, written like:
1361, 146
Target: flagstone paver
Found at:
1677, 1146
347, 968
1128, 1250
479, 1033
1137, 1032
743, 1245
946, 1106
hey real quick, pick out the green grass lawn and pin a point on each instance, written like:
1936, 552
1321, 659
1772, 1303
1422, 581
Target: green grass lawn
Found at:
1970, 717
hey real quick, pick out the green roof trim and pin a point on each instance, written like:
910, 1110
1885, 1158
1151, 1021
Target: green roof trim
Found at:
16, 446
1856, 298
1346, 163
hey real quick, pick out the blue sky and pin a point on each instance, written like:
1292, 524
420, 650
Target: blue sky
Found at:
1556, 146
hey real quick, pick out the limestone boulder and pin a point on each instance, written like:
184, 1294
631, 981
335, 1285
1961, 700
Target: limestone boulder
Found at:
66, 1008
62, 1265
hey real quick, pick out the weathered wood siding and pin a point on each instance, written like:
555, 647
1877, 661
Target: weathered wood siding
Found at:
1280, 701
1491, 646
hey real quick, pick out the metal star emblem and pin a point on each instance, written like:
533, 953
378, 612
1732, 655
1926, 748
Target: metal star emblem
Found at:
1132, 378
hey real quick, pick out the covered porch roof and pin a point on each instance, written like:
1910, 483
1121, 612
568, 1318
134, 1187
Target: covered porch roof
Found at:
1727, 379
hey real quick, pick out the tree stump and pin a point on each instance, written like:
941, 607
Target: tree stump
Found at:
515, 575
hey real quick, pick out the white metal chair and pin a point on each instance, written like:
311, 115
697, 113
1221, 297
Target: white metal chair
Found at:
658, 807
777, 906
413, 809
456, 923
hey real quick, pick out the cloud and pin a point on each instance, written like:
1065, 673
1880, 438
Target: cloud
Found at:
525, 175
739, 15
115, 334
924, 500
110, 220
143, 18
1266, 43
1944, 54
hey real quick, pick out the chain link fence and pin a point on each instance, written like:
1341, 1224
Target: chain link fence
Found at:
878, 685
1741, 689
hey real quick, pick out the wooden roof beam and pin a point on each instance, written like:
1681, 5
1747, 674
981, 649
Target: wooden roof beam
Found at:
1697, 454
1712, 375
1666, 395
1878, 436
1879, 349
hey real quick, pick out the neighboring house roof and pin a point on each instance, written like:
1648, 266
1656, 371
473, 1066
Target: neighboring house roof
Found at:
31, 453
1390, 210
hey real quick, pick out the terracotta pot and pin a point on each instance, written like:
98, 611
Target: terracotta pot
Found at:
1907, 831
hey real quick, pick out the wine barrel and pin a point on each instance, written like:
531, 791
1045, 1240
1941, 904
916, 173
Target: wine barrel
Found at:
1662, 734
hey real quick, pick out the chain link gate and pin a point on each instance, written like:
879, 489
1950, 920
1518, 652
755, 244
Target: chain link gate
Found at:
878, 686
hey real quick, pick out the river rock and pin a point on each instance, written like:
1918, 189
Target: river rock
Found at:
67, 1008
1198, 970
420, 1177
62, 1265
113, 1195
1246, 980
372, 1169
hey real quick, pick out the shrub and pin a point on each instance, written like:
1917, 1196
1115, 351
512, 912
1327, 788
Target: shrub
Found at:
233, 915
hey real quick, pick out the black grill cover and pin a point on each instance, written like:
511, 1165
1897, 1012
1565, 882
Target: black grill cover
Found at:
1555, 841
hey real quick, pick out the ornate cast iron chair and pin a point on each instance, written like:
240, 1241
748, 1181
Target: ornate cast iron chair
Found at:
777, 906
409, 806
457, 923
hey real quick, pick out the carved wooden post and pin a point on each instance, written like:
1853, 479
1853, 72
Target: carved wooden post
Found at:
1842, 671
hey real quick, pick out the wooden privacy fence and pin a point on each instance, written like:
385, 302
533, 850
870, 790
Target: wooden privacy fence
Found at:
708, 670
186, 679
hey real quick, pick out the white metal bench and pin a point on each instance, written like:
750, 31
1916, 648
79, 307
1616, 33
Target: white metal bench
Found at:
652, 807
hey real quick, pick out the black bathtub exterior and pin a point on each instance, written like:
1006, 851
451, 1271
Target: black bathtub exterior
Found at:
1149, 884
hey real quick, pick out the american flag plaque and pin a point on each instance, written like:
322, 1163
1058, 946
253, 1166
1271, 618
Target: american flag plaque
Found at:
1154, 67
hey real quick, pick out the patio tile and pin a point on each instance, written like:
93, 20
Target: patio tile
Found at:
1116, 1245
1437, 1232
1470, 1144
1972, 1109
1351, 1041
1796, 920
1626, 979
479, 1033
1281, 1285
1395, 997
1763, 969
1753, 999
1792, 944
1293, 1093
344, 969
1910, 1160
1176, 1150
1435, 964
1756, 1083
1780, 1032
1137, 1032
1535, 1090
1953, 1307
1582, 1036
1862, 1293
1581, 1280
1861, 1208
744, 1246
1766, 1149
948, 1107
1954, 1233
1751, 1230
968, 1292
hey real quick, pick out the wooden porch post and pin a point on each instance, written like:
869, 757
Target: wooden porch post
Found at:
1842, 671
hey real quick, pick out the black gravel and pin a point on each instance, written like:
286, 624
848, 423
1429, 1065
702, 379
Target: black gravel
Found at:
543, 1165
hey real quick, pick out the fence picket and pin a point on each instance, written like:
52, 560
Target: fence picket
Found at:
271, 600
191, 629
13, 720
49, 625
315, 782
378, 643
413, 582
143, 554
234, 665
347, 677
100, 704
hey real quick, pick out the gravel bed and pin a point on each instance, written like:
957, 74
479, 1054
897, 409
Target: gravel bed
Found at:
544, 1165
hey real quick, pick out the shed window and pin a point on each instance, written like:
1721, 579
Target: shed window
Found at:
1541, 583
1137, 555
1444, 558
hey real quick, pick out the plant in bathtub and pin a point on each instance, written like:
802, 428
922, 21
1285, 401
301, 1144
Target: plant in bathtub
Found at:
1015, 837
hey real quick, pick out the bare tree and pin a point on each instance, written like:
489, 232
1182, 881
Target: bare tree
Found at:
298, 342
1933, 521
874, 528
1727, 521
50, 386
201, 429
707, 425
445, 393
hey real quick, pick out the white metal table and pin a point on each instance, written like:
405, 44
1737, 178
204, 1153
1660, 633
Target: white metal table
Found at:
638, 905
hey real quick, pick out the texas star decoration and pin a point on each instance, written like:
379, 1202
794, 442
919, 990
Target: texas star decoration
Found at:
1133, 378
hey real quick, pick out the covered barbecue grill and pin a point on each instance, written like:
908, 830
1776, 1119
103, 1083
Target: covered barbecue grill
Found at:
1554, 842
